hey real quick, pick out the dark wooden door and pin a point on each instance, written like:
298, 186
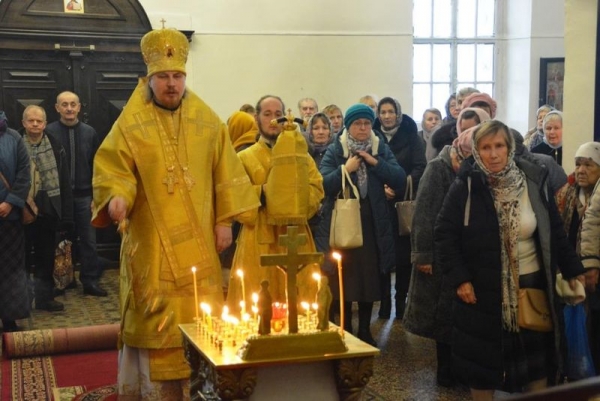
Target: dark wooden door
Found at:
103, 81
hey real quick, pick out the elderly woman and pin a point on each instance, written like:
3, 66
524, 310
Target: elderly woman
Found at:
319, 135
429, 307
576, 200
498, 233
535, 136
372, 166
552, 141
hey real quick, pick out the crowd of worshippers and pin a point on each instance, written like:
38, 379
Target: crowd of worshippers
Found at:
47, 167
486, 225
494, 213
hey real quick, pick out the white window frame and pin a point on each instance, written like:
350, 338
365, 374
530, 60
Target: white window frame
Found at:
454, 41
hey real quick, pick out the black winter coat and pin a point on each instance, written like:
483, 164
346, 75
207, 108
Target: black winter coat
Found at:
471, 253
387, 171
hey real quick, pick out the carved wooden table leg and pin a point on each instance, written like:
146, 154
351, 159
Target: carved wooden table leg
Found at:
352, 375
193, 358
235, 384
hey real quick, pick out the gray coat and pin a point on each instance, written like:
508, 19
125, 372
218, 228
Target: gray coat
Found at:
429, 307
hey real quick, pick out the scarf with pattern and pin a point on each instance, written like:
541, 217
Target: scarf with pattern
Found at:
354, 147
42, 157
506, 187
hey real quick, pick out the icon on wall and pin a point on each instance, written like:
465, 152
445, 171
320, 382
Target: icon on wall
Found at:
74, 6
552, 78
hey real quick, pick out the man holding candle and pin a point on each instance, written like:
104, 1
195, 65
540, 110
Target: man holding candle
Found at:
168, 167
261, 236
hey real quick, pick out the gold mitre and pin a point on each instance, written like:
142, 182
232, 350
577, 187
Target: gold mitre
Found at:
165, 50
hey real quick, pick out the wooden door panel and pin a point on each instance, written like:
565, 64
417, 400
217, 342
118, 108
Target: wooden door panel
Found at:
110, 80
32, 78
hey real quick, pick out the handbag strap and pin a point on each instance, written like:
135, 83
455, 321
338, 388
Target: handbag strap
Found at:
408, 193
346, 176
4, 180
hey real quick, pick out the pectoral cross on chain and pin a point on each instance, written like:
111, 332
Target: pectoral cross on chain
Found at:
170, 180
292, 263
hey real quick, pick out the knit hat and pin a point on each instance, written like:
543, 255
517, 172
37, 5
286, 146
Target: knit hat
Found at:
165, 50
481, 97
357, 111
590, 150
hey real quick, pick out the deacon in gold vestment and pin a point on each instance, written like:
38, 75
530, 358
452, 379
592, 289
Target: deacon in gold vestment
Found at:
260, 237
167, 173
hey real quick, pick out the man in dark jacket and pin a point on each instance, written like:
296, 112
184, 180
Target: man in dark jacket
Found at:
51, 191
80, 142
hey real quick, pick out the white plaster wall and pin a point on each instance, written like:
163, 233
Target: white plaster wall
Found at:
334, 51
528, 31
580, 67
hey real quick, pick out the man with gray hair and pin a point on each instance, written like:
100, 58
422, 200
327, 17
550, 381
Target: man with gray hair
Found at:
307, 107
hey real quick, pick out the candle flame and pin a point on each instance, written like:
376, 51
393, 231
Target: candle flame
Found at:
254, 297
315, 306
242, 304
254, 309
336, 256
208, 309
317, 276
225, 313
193, 269
240, 273
305, 305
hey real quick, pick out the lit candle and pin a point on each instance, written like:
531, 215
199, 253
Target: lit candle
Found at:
240, 274
196, 295
317, 277
255, 299
243, 308
203, 308
315, 307
306, 306
208, 318
338, 257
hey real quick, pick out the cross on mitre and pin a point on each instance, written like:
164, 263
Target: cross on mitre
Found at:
291, 263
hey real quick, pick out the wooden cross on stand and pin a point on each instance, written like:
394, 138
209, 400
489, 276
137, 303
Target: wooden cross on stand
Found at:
292, 263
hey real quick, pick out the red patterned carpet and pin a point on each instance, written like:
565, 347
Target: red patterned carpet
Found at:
58, 377
59, 364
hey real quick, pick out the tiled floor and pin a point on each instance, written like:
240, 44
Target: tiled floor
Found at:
405, 370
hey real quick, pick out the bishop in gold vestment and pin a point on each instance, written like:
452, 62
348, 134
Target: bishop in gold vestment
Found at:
260, 237
168, 173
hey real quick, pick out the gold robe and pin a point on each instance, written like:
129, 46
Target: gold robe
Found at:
260, 238
146, 160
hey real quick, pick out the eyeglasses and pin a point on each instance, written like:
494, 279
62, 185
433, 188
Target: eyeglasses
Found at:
363, 124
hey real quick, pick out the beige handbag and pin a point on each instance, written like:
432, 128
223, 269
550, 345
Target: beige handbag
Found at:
534, 311
345, 231
406, 210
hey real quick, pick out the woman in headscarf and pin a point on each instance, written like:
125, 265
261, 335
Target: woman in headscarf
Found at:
481, 101
452, 109
499, 232
535, 136
574, 200
429, 123
372, 166
465, 99
319, 135
400, 133
242, 130
553, 133
429, 306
